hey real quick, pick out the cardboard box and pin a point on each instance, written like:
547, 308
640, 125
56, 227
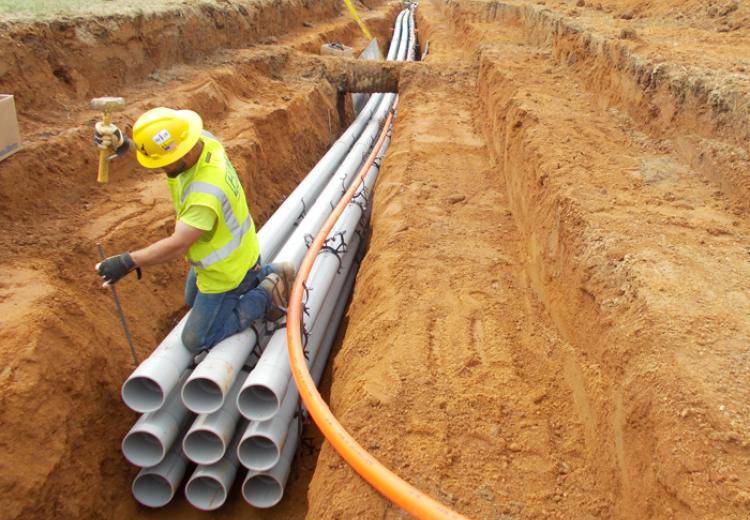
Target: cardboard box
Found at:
10, 137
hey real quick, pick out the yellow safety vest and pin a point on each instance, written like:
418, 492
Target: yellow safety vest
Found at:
221, 259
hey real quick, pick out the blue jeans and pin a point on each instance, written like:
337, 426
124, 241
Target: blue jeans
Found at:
218, 316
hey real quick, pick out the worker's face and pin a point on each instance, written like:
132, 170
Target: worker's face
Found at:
184, 163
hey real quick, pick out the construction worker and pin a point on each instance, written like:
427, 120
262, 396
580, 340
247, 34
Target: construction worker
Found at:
227, 286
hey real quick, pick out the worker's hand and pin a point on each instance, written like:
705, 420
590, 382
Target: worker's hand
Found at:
110, 138
115, 267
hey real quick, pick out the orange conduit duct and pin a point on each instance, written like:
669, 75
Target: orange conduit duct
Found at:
369, 468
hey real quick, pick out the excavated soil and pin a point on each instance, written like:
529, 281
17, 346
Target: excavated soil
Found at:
551, 320
64, 354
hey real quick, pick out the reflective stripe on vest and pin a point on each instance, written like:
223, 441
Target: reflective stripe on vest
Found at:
231, 221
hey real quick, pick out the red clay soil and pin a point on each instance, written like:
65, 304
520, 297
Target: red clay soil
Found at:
552, 318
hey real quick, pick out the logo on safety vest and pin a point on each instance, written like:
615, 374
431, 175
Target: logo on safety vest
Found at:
230, 176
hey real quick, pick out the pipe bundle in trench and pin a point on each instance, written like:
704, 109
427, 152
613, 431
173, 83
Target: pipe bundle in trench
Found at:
239, 407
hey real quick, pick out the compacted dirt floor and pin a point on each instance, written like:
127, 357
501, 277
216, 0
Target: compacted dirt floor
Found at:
552, 320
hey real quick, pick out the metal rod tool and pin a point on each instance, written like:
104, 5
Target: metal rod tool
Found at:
119, 310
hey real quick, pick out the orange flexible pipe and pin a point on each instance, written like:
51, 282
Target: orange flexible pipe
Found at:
369, 468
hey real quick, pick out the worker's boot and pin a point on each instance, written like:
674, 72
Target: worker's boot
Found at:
276, 287
285, 270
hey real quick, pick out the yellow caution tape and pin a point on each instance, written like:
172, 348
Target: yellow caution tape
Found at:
360, 22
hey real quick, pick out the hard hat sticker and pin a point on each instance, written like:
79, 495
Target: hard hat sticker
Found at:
162, 137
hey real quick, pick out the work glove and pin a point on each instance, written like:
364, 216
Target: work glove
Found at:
110, 138
115, 267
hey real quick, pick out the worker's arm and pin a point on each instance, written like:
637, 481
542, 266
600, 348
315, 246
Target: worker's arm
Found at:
166, 249
169, 248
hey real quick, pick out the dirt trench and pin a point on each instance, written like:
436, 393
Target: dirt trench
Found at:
552, 315
551, 321
64, 355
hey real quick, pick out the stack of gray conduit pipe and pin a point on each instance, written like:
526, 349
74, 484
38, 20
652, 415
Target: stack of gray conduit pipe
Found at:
237, 405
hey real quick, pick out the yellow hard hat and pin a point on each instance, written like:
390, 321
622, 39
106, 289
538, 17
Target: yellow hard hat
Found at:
163, 136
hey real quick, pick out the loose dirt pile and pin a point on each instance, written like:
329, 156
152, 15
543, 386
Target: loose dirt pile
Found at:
552, 319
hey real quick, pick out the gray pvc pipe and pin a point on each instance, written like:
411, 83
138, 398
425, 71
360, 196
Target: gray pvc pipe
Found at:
326, 264
279, 226
266, 489
261, 393
207, 439
207, 387
156, 486
267, 384
396, 39
371, 53
403, 52
294, 249
209, 485
151, 437
262, 442
264, 388
147, 387
412, 52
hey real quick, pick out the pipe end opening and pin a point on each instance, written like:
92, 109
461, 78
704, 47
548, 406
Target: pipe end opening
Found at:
202, 395
205, 493
143, 449
258, 453
258, 403
152, 490
203, 447
262, 491
142, 394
